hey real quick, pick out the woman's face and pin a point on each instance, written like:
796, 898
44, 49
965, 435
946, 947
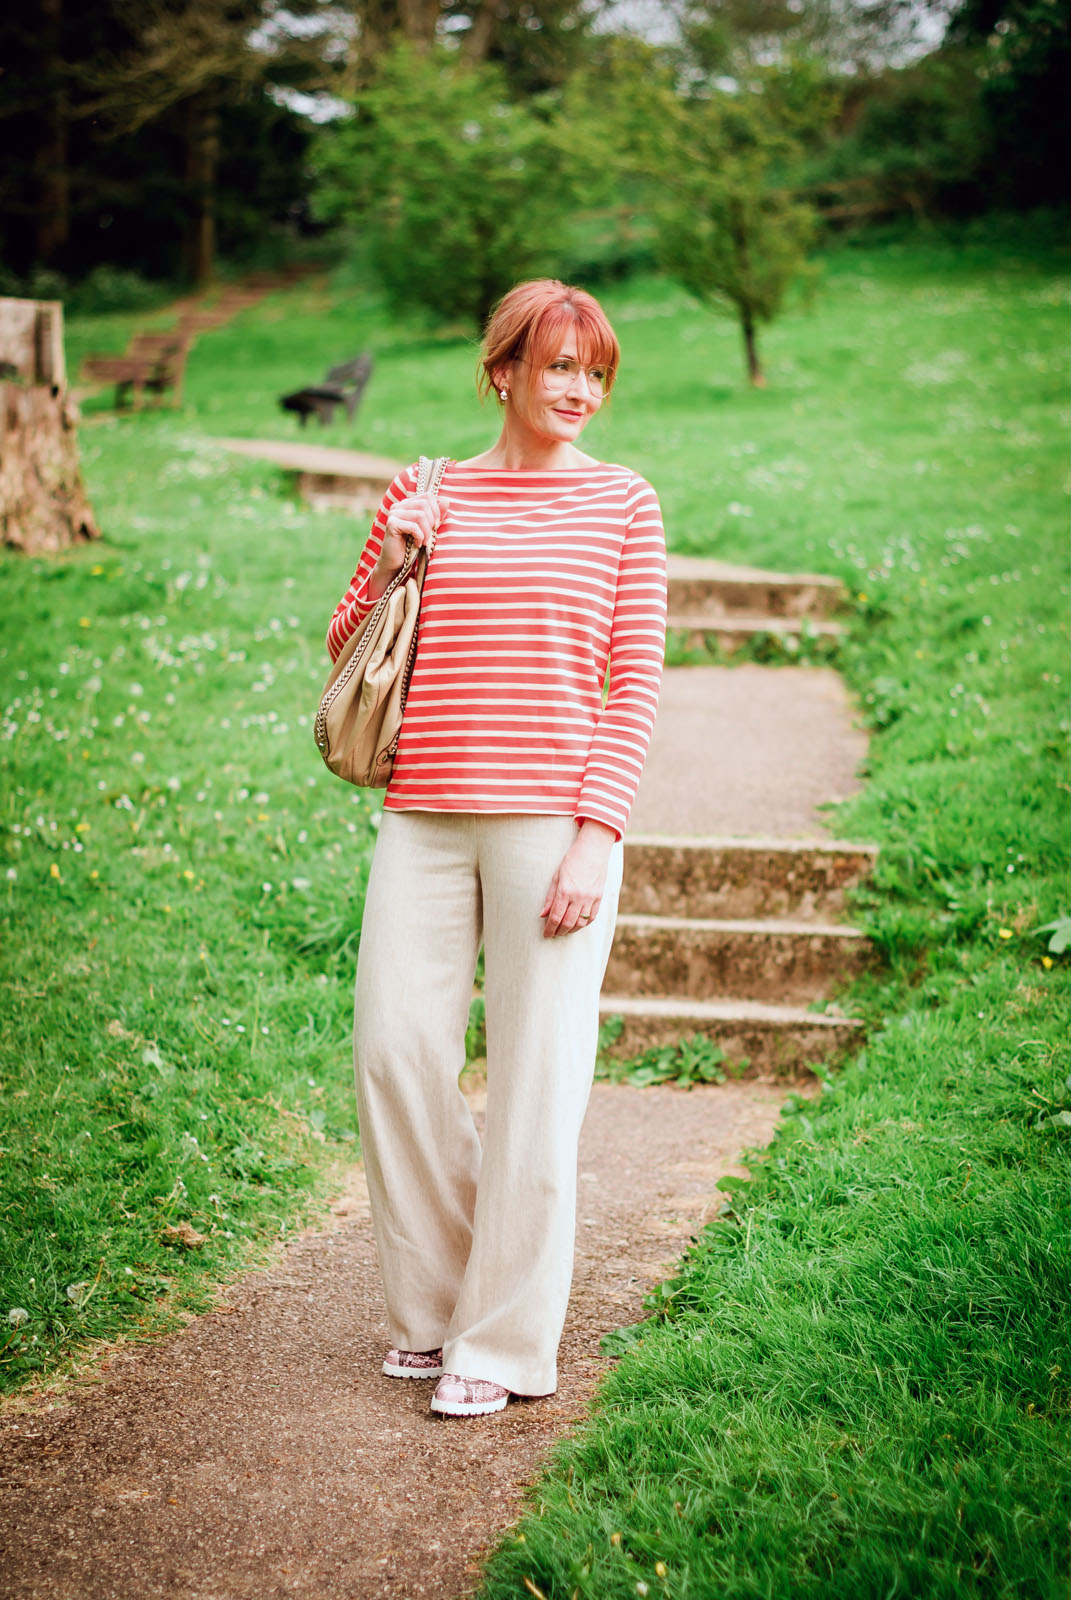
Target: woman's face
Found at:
559, 399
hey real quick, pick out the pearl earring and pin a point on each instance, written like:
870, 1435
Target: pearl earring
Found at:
503, 395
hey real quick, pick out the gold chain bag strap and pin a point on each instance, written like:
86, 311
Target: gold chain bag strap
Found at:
361, 709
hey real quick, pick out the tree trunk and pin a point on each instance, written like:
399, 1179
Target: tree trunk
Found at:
756, 376
202, 160
419, 19
477, 42
740, 234
375, 21
52, 220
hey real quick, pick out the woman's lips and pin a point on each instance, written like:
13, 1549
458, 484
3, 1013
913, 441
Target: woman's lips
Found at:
573, 416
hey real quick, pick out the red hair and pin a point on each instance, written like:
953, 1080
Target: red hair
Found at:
529, 322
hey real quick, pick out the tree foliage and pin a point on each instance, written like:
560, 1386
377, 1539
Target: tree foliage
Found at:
854, 38
915, 147
149, 134
537, 43
457, 190
950, 106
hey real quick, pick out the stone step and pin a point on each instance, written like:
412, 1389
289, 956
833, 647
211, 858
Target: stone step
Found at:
782, 1041
790, 963
803, 879
729, 633
703, 589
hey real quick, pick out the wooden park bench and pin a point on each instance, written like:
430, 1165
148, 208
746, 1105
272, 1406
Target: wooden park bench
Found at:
154, 363
343, 386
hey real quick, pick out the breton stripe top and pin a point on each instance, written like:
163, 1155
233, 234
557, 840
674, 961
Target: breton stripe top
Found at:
538, 582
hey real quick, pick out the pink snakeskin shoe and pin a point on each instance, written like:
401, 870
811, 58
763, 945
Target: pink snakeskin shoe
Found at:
413, 1364
467, 1397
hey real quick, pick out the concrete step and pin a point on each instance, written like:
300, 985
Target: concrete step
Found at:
704, 589
778, 1040
350, 480
329, 491
729, 633
802, 879
789, 963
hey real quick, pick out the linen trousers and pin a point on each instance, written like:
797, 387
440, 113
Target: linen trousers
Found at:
476, 1244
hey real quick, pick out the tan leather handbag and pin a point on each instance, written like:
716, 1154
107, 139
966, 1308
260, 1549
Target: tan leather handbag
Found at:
361, 709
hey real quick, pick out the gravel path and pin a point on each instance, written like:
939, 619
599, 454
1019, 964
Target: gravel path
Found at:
259, 1454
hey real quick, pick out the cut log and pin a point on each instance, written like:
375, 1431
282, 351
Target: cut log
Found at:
43, 504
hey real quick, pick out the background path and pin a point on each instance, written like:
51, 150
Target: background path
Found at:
749, 750
260, 1454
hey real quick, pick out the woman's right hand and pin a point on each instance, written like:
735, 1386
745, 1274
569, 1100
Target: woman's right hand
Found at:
416, 517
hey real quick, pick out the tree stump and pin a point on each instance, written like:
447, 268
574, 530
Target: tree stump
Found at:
43, 504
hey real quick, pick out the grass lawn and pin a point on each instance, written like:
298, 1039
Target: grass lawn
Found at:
859, 1382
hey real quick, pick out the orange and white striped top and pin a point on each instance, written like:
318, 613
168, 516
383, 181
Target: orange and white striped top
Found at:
538, 582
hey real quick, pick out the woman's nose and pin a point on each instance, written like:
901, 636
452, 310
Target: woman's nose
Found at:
579, 388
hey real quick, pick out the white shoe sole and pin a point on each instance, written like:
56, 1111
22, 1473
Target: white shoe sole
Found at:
470, 1408
392, 1371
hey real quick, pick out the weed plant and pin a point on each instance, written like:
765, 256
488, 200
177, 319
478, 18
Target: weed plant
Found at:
858, 1382
696, 1059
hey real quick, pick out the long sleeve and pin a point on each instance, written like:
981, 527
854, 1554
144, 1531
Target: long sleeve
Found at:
637, 649
356, 603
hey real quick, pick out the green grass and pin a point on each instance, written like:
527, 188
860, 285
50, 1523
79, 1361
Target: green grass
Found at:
184, 884
858, 1384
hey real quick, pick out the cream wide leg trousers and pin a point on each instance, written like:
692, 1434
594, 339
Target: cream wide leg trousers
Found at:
475, 1246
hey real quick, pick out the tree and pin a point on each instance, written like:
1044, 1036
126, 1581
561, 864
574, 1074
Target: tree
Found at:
53, 216
853, 38
457, 191
730, 227
124, 121
713, 161
190, 59
1025, 72
42, 48
914, 146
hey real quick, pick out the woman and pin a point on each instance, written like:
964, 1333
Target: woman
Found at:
502, 825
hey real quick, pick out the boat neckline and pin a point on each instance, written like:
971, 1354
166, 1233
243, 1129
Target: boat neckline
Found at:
536, 472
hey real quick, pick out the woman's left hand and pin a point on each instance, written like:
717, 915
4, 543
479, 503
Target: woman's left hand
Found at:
576, 891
